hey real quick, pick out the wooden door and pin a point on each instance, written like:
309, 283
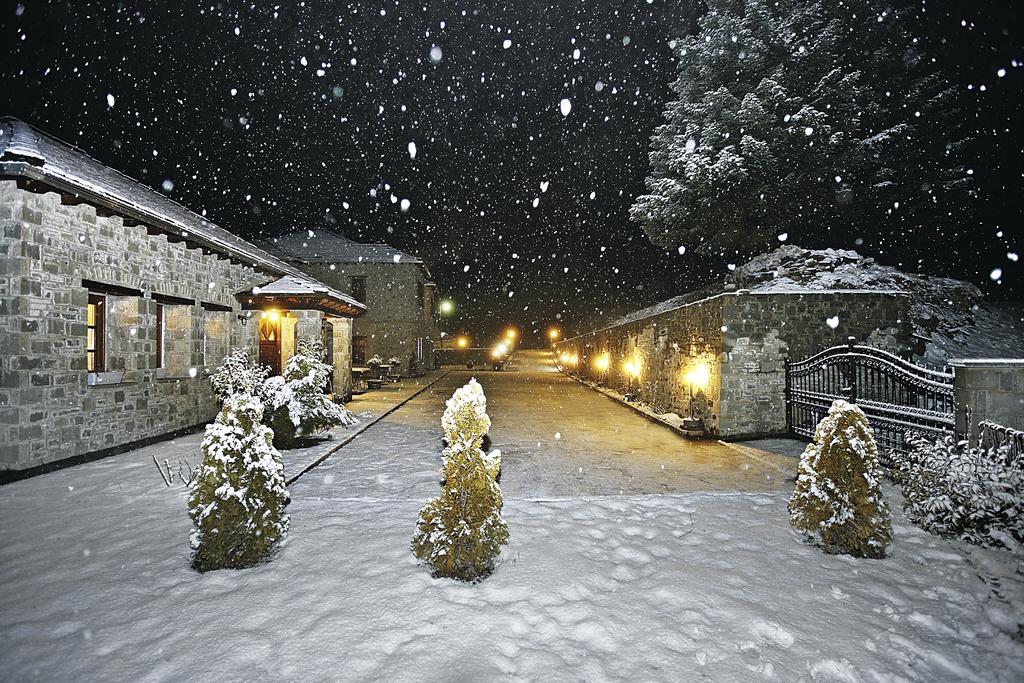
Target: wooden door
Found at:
270, 344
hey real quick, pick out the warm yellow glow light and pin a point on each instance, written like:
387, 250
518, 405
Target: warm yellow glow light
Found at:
633, 366
698, 376
462, 342
602, 362
511, 333
272, 315
554, 334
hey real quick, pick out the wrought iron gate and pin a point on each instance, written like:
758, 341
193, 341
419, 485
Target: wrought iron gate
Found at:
896, 395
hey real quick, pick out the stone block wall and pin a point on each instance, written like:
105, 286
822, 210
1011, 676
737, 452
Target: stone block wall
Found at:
762, 330
48, 411
395, 317
988, 389
664, 348
723, 359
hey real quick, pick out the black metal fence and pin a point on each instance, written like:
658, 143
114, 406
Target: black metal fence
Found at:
997, 436
896, 395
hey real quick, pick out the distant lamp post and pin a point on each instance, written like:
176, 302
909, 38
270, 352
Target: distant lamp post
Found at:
511, 334
446, 307
462, 342
554, 334
602, 362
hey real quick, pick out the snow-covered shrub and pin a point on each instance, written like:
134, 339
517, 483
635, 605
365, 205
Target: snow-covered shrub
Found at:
237, 500
465, 418
460, 533
375, 361
951, 489
394, 360
238, 374
838, 496
296, 404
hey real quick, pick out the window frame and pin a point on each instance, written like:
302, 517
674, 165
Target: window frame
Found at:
97, 305
360, 295
160, 335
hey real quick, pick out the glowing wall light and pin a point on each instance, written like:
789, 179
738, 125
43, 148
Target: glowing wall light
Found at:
633, 367
602, 362
698, 376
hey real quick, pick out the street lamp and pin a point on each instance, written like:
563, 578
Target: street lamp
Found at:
462, 342
554, 334
446, 307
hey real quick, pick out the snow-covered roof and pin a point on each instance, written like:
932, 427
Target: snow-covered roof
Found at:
294, 285
29, 153
322, 246
689, 300
302, 292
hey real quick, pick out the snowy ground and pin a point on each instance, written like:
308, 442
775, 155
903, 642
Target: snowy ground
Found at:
704, 581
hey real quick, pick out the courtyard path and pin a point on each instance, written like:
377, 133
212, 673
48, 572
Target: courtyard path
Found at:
557, 438
691, 572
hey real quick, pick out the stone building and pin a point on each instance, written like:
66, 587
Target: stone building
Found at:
116, 302
722, 358
395, 286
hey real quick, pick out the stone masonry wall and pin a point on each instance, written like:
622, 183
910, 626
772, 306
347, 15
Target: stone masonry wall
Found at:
48, 411
762, 330
664, 348
988, 390
724, 357
395, 318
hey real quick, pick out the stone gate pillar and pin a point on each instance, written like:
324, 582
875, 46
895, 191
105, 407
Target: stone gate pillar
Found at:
988, 389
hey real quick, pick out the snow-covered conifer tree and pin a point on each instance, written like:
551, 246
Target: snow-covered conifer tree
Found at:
838, 496
813, 119
237, 500
296, 402
238, 374
460, 533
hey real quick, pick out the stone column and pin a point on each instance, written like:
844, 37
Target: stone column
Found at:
342, 359
988, 389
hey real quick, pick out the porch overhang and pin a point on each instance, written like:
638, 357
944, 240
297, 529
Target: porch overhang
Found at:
291, 293
290, 302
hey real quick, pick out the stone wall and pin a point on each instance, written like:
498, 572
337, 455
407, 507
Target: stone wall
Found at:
988, 389
648, 358
723, 358
395, 317
760, 331
48, 410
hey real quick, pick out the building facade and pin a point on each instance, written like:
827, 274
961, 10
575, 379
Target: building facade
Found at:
116, 303
395, 286
722, 359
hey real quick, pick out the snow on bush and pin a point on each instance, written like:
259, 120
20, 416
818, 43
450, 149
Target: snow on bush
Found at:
237, 500
460, 533
951, 489
838, 497
375, 362
465, 417
295, 400
238, 374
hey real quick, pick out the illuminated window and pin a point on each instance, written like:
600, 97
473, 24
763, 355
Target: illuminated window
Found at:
95, 317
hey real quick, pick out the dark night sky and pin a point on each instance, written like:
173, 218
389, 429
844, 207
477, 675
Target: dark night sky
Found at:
271, 119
